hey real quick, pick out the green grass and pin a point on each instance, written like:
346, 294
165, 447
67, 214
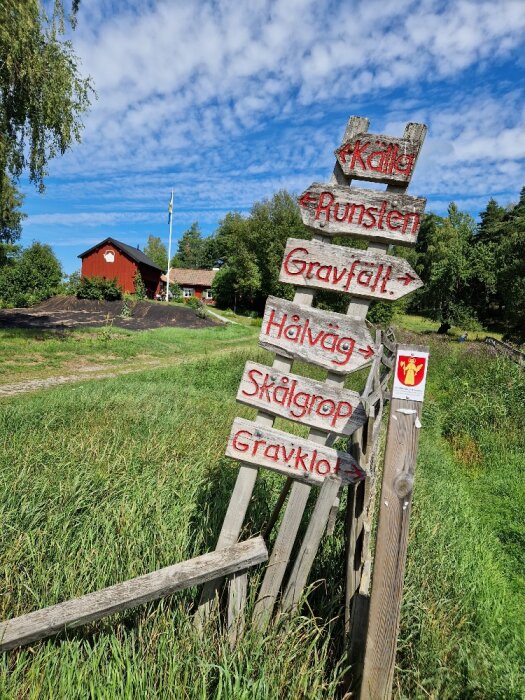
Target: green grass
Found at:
30, 354
421, 324
109, 480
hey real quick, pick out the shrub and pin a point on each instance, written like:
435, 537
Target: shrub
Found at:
193, 302
99, 288
140, 287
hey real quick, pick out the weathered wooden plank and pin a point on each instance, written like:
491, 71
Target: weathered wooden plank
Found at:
280, 555
300, 399
391, 544
380, 158
296, 457
362, 273
129, 594
310, 544
388, 217
338, 343
355, 125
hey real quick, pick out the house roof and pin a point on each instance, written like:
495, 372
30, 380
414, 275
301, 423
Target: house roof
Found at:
183, 276
134, 253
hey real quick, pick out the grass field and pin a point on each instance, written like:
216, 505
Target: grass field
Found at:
108, 480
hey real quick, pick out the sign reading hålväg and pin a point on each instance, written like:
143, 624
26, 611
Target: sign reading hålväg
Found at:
338, 343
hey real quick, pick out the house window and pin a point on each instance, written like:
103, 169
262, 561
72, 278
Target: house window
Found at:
109, 256
208, 294
187, 292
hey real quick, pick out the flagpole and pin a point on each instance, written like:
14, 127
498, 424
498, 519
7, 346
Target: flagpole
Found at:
170, 210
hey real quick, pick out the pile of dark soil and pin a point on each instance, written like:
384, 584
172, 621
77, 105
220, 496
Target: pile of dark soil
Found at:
63, 312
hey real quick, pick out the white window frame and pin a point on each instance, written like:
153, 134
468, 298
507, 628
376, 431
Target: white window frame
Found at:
188, 292
208, 294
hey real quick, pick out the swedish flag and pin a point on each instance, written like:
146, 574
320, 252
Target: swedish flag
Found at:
170, 208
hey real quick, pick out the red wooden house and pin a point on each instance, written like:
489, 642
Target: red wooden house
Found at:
115, 260
194, 283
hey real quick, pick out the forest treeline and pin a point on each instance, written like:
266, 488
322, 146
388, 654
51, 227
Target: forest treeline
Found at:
473, 273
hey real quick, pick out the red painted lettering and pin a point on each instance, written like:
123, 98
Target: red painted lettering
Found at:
357, 155
321, 206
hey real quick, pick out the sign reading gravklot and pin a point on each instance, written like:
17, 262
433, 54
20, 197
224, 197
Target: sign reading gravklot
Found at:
363, 213
362, 273
339, 343
410, 375
289, 454
379, 158
300, 399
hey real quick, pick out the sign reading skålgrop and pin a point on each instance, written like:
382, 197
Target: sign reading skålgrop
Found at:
300, 399
339, 343
386, 217
288, 454
379, 158
362, 273
410, 375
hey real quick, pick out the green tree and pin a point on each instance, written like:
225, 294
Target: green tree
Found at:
11, 216
33, 275
42, 95
194, 252
156, 250
492, 222
444, 264
252, 249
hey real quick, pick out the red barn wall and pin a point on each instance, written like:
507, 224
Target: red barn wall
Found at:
124, 269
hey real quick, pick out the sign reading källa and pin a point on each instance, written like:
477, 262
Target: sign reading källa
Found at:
301, 399
291, 455
386, 217
339, 343
362, 273
379, 158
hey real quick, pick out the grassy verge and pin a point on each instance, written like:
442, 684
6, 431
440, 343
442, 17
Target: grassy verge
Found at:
29, 354
105, 481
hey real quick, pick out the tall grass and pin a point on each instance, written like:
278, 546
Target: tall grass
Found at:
109, 480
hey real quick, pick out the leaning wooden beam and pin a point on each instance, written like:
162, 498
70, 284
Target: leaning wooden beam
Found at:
310, 545
93, 606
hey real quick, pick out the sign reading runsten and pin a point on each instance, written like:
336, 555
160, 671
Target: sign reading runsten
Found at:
362, 273
288, 454
343, 211
339, 343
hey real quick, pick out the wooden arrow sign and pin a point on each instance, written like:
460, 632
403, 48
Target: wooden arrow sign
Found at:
362, 273
288, 454
344, 211
379, 158
339, 343
300, 399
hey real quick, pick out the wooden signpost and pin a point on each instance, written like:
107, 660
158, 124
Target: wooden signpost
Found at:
388, 217
339, 343
362, 273
300, 399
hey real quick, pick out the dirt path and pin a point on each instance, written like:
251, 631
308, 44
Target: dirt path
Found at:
101, 372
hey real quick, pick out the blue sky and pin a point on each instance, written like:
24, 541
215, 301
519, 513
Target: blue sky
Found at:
229, 101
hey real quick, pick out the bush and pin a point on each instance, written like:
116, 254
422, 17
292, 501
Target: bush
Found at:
140, 288
193, 302
99, 288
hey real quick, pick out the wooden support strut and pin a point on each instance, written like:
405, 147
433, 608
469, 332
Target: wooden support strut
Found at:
122, 596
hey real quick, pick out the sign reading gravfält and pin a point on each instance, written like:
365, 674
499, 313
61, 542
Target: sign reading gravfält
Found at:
288, 454
343, 211
300, 399
379, 158
362, 273
339, 343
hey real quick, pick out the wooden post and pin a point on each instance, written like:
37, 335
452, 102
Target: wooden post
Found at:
392, 536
